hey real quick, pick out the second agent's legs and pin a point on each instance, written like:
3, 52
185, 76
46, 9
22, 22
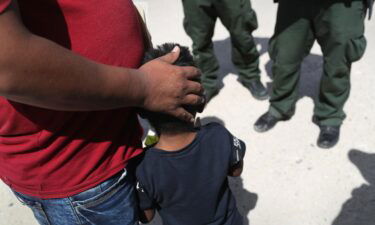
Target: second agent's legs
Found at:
339, 27
291, 42
339, 31
340, 34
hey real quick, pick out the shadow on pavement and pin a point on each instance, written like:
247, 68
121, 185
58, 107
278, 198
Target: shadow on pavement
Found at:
223, 53
311, 69
246, 200
360, 208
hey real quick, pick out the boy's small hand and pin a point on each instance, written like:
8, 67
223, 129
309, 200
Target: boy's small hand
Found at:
169, 87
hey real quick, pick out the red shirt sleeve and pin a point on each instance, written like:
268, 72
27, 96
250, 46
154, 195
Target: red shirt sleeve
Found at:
4, 4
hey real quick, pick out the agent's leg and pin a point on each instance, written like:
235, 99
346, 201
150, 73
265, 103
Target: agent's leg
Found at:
240, 20
291, 42
199, 24
339, 31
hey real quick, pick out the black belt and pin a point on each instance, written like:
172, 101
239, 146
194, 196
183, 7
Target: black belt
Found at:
369, 4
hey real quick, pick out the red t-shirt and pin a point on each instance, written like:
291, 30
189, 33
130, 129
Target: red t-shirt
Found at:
4, 4
56, 154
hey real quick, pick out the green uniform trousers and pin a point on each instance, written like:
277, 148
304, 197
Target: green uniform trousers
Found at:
338, 26
239, 18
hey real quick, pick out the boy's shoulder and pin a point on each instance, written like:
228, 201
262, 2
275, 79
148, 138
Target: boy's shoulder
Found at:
215, 131
214, 127
214, 138
223, 140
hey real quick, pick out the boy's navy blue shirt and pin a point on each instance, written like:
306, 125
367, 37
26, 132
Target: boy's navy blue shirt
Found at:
190, 186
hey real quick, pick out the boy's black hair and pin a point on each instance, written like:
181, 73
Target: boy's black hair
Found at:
185, 58
164, 123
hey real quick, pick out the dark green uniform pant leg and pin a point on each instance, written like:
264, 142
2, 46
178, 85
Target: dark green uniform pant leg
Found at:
240, 20
339, 30
291, 42
199, 24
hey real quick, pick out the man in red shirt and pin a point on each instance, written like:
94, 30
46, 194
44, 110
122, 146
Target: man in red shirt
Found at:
70, 76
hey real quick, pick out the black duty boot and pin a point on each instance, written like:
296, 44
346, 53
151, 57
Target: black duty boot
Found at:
329, 136
266, 122
257, 89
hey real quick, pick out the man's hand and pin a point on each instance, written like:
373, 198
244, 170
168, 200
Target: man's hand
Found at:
169, 87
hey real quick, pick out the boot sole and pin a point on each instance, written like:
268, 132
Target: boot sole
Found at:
262, 130
323, 146
261, 98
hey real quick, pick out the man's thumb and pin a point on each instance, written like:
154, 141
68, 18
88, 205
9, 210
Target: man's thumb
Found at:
172, 56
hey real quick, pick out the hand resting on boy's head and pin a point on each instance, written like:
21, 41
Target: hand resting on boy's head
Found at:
172, 86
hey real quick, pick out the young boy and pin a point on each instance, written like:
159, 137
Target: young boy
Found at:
184, 175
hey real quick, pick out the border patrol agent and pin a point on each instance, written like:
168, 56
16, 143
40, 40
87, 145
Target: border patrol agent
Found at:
338, 26
240, 19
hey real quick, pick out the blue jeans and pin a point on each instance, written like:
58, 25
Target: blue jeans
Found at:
113, 202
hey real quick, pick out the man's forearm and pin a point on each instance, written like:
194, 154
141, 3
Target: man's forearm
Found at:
38, 72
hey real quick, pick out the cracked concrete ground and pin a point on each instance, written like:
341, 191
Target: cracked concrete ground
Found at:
287, 180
